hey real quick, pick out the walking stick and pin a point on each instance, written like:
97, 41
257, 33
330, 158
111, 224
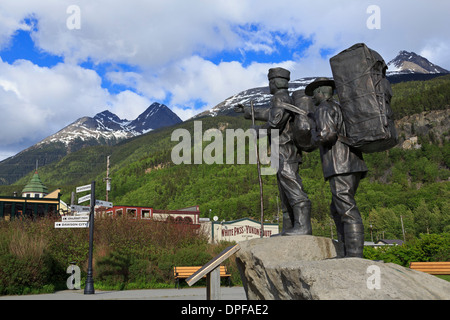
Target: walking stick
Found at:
259, 174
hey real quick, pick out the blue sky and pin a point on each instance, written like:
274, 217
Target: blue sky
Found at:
61, 60
23, 47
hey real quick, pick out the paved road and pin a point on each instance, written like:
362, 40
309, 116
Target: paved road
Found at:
233, 293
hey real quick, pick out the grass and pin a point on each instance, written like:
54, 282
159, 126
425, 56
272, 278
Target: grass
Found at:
444, 277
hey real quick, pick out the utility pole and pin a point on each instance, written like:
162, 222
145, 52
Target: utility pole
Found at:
259, 174
107, 179
403, 229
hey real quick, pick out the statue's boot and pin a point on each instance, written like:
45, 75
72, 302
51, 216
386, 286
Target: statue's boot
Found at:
338, 222
287, 223
302, 220
354, 240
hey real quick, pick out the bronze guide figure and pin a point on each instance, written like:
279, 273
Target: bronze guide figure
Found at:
311, 118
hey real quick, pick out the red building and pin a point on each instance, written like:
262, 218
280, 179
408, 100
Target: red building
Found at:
188, 215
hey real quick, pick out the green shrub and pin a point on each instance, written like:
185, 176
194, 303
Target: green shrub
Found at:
429, 247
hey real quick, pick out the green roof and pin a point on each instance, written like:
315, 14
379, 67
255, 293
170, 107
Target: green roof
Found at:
35, 185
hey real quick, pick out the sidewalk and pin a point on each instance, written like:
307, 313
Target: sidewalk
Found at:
233, 293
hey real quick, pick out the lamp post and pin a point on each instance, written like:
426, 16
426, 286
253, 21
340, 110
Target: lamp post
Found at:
89, 287
371, 234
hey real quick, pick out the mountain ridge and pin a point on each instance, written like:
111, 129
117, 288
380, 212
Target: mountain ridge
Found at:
411, 62
406, 66
105, 128
109, 126
411, 181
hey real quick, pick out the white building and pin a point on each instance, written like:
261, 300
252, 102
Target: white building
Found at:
237, 230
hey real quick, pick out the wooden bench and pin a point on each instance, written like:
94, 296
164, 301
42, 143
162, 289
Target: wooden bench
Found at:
431, 267
186, 272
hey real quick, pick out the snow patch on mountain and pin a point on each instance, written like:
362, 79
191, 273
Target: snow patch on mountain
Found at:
259, 96
405, 64
107, 127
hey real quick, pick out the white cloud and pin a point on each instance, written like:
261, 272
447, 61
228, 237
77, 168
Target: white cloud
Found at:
188, 111
197, 80
172, 43
154, 33
128, 105
437, 52
36, 102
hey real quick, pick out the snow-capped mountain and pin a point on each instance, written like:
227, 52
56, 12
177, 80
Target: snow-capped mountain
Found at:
87, 128
107, 128
409, 62
406, 66
260, 96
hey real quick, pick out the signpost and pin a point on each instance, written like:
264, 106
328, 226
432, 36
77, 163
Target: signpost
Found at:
212, 272
80, 209
75, 218
89, 287
84, 188
85, 221
84, 198
102, 203
71, 224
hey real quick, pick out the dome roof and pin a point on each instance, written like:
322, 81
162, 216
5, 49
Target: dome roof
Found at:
35, 185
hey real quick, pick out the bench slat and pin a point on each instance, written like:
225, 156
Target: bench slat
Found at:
186, 272
444, 263
441, 267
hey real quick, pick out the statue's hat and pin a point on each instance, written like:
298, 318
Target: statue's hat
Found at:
279, 73
319, 82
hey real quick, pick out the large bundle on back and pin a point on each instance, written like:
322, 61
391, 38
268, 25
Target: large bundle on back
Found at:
364, 95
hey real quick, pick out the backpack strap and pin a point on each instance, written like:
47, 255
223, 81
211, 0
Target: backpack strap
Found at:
292, 108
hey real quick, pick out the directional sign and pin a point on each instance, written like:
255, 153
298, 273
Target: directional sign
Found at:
80, 208
84, 198
84, 188
102, 203
212, 264
75, 218
71, 224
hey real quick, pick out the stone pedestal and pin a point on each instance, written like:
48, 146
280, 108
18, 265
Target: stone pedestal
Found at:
311, 268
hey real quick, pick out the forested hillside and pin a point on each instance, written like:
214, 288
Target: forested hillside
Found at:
416, 96
402, 185
411, 183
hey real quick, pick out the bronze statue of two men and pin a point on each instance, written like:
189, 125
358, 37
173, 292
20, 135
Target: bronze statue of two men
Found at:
342, 165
